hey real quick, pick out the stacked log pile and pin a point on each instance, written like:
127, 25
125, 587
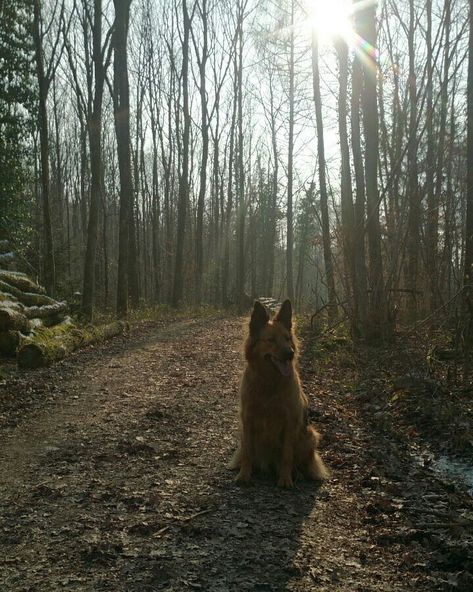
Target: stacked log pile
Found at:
34, 326
24, 306
7, 256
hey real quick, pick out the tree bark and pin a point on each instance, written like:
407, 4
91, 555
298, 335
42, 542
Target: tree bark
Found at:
43, 87
122, 129
413, 194
199, 238
329, 273
240, 175
290, 166
377, 327
177, 293
468, 259
348, 217
360, 286
95, 146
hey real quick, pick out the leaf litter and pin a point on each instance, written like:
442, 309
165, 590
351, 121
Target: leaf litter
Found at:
115, 478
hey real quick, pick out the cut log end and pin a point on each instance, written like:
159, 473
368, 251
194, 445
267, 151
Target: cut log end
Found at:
9, 342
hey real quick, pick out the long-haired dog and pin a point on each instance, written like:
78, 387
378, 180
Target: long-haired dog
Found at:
274, 433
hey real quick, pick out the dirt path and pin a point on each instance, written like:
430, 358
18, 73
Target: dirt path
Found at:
114, 478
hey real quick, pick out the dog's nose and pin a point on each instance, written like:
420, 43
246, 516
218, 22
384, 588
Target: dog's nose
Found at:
289, 354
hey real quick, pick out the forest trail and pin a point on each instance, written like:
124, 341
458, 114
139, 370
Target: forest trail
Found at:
114, 478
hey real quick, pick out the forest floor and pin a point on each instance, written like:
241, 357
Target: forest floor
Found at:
113, 476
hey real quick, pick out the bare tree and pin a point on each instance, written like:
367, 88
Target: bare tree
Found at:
100, 62
468, 263
184, 169
45, 75
329, 273
121, 92
378, 321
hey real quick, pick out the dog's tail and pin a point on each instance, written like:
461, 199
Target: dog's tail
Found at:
236, 460
317, 470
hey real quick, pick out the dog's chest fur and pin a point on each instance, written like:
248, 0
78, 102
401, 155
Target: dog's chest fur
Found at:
271, 403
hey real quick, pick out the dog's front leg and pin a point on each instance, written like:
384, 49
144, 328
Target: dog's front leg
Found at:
287, 461
246, 454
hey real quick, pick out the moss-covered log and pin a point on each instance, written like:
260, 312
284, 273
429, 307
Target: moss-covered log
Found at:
11, 319
9, 342
42, 312
7, 259
9, 301
5, 246
20, 281
50, 345
27, 298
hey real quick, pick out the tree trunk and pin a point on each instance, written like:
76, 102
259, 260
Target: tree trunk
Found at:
440, 151
95, 145
43, 86
199, 238
122, 129
290, 163
431, 230
377, 325
468, 259
329, 274
360, 286
240, 176
413, 197
348, 217
177, 293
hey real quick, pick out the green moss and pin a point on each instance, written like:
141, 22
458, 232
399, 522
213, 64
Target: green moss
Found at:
48, 345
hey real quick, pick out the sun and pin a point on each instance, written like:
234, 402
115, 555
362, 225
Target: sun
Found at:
331, 19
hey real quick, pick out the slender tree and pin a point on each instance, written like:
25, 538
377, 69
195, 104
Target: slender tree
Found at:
121, 93
95, 146
45, 76
468, 260
366, 25
290, 163
346, 192
177, 293
327, 251
202, 57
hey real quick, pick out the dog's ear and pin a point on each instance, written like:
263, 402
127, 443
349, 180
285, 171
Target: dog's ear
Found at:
259, 318
284, 315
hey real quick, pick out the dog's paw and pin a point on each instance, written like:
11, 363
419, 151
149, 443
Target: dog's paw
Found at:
243, 478
285, 481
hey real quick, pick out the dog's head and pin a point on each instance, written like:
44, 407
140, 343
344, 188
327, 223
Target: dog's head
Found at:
272, 342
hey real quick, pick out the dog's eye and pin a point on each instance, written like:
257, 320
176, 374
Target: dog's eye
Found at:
271, 339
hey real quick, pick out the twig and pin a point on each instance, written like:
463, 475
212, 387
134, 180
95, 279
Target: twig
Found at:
181, 519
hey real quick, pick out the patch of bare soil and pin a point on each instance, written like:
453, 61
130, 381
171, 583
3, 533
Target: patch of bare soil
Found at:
114, 478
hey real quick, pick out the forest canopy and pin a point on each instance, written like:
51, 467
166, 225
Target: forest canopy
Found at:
214, 151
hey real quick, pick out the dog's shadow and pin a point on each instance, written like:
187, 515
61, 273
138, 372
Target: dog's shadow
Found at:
260, 528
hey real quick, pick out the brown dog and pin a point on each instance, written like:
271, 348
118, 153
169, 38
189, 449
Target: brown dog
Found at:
275, 432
